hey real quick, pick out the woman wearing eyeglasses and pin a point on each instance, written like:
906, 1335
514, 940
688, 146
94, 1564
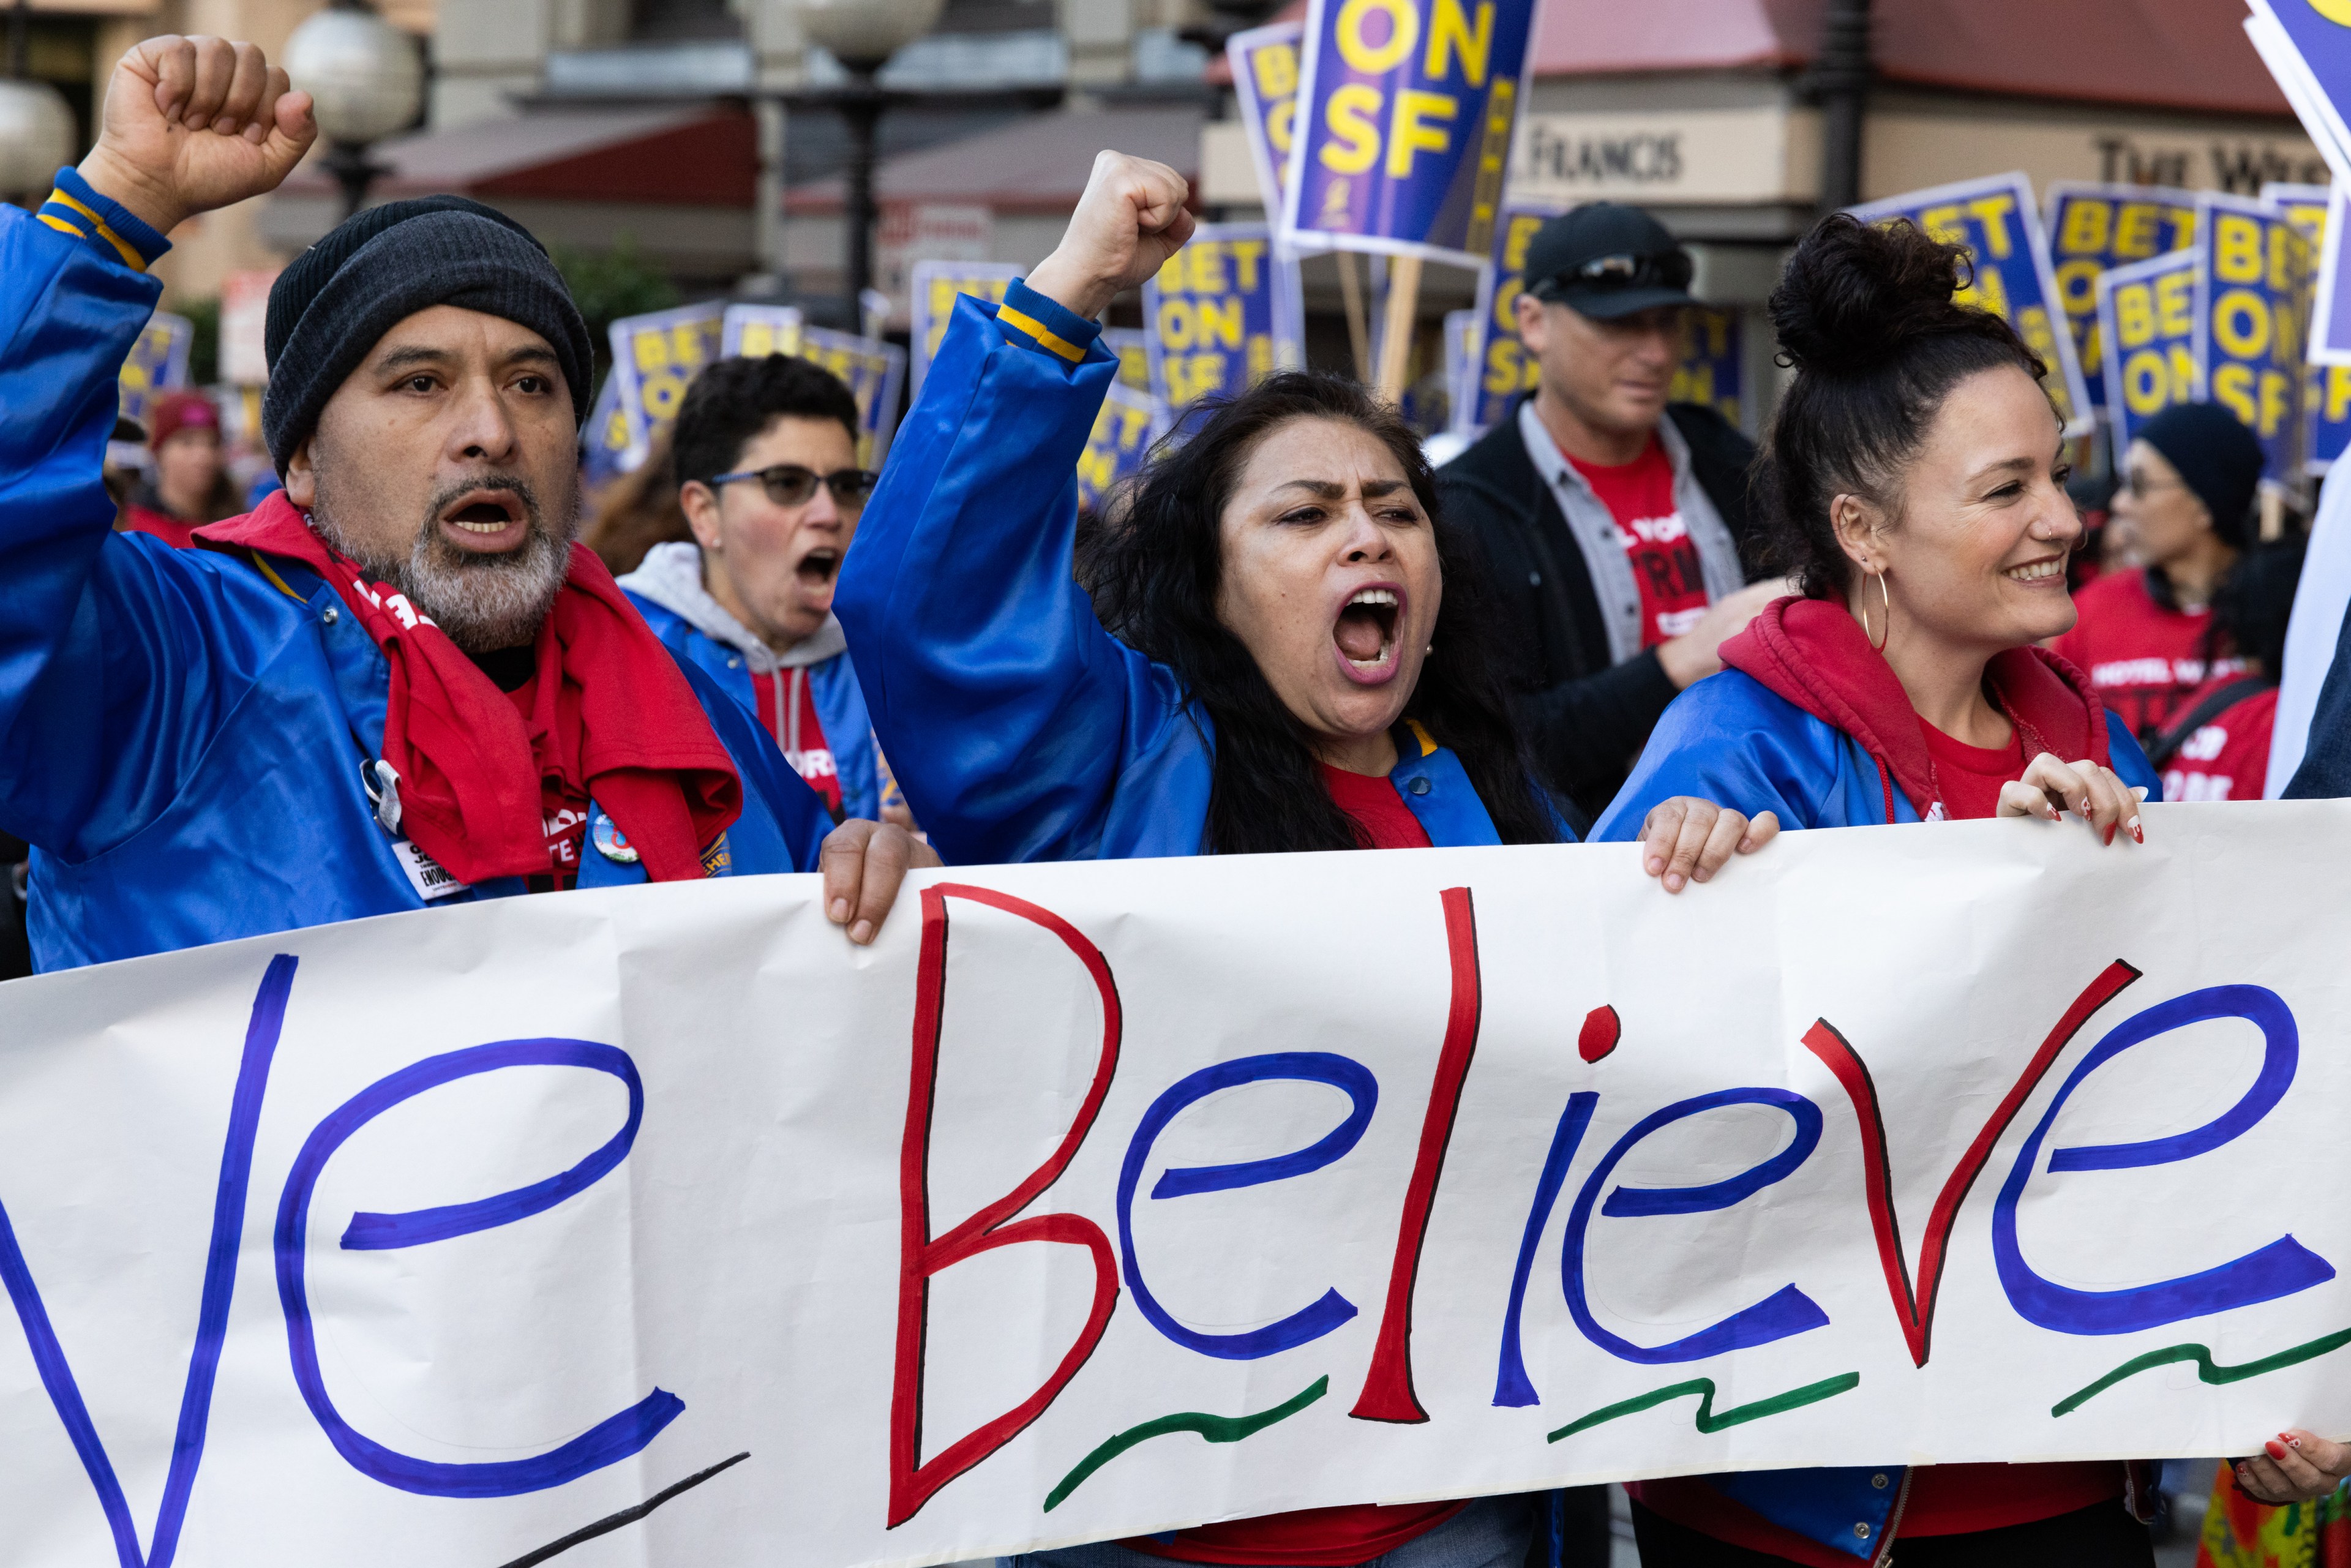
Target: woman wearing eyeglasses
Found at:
2148, 639
767, 451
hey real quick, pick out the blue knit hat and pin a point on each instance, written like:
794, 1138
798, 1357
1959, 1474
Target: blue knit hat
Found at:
335, 301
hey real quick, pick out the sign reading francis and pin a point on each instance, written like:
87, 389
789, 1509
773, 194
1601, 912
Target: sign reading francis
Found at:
1103, 1199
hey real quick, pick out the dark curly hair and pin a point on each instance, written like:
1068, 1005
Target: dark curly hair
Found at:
1153, 560
1865, 319
729, 405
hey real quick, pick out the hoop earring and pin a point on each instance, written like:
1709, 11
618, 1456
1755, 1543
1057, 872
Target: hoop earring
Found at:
1886, 598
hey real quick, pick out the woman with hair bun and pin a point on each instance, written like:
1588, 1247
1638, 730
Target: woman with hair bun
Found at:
1915, 480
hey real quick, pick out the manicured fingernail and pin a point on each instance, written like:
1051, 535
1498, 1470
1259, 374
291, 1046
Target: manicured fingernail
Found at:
2137, 834
841, 912
862, 932
2276, 1448
2085, 805
2110, 834
2293, 1442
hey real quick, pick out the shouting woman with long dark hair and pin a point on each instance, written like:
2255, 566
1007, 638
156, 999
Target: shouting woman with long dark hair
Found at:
1297, 664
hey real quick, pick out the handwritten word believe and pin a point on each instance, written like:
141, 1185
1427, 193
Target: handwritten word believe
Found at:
2282, 1267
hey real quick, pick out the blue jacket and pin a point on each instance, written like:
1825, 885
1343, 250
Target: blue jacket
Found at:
182, 731
1734, 740
1017, 727
667, 588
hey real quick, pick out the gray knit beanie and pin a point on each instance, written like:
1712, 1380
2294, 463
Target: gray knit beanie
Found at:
335, 301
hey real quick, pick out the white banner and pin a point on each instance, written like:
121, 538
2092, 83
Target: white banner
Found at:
1103, 1199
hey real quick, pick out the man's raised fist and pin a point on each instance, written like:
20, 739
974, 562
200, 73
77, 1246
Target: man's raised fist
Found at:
192, 124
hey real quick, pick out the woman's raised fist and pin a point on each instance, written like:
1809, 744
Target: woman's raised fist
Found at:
1128, 222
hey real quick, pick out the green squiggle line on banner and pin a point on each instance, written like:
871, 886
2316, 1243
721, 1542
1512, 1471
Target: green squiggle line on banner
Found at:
1214, 1429
1708, 1421
2207, 1369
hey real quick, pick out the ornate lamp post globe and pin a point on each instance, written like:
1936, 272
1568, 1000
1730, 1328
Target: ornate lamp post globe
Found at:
367, 81
862, 35
36, 135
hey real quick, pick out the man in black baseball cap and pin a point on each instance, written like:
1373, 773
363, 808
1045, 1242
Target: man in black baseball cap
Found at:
1614, 520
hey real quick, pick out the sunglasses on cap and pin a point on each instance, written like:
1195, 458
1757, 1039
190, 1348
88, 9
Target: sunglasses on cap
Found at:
1673, 270
789, 485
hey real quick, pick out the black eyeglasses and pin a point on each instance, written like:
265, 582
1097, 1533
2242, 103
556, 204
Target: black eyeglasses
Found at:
1673, 270
2139, 485
789, 485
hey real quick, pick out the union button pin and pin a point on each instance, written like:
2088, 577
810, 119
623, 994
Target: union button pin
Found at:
611, 842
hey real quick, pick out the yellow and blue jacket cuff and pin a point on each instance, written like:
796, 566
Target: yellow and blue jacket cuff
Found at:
1028, 317
101, 221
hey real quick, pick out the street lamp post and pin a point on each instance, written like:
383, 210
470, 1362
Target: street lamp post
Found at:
366, 81
862, 35
37, 126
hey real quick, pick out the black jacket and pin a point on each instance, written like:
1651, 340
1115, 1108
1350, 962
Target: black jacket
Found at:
1586, 719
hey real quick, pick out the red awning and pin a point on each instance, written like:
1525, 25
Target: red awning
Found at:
1035, 165
2158, 54
697, 157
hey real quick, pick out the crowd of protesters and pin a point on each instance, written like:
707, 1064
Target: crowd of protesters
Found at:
399, 680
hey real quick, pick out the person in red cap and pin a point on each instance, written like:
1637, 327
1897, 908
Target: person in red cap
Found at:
190, 485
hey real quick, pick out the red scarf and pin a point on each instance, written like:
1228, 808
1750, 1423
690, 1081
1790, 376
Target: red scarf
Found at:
611, 715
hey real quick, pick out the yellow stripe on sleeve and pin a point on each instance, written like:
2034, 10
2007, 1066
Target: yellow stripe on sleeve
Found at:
59, 225
123, 247
1427, 744
1045, 336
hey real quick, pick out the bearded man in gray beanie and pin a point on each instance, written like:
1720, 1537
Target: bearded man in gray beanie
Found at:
398, 683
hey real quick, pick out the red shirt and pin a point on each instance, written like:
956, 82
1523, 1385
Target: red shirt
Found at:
2228, 757
1352, 1533
1968, 777
1640, 495
2143, 658
788, 710
1376, 807
1952, 1499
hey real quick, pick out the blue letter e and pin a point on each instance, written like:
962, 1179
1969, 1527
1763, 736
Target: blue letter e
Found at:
2280, 1269
609, 1440
1787, 1310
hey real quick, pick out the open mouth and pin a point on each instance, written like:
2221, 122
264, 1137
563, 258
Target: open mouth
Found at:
2037, 571
818, 567
487, 516
1365, 633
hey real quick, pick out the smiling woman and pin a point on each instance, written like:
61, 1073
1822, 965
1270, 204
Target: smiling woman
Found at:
1917, 470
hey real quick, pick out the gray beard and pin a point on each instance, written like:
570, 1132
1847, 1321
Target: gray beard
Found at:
482, 603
